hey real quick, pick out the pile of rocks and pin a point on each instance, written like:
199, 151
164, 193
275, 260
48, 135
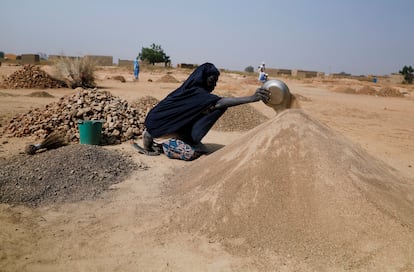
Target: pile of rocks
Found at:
121, 121
31, 77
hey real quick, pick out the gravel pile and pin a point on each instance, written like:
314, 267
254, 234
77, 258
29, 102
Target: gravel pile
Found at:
68, 174
239, 118
121, 121
31, 77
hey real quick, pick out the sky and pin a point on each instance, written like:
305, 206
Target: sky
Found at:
361, 37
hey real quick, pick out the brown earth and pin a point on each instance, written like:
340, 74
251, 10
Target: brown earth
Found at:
328, 187
295, 187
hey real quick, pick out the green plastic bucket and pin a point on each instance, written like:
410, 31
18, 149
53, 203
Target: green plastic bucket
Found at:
90, 131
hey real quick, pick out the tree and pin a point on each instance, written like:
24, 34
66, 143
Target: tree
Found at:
154, 54
249, 69
407, 72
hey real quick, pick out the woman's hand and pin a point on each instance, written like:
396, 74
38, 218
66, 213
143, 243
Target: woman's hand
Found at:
261, 94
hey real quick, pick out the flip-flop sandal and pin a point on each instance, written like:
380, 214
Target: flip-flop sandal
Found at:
141, 150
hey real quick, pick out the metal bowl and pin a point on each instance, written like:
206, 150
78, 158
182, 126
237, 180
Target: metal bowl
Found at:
280, 96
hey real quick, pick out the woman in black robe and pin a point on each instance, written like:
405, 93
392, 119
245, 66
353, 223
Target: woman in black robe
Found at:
189, 112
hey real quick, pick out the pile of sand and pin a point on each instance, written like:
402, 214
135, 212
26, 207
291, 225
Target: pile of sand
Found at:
40, 94
367, 90
119, 78
168, 79
390, 92
240, 118
295, 189
344, 89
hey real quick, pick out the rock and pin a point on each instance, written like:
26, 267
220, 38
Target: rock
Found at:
129, 133
122, 121
32, 77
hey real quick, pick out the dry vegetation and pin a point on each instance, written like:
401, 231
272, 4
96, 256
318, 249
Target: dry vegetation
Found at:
76, 72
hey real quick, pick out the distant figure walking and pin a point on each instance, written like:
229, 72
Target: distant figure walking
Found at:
262, 72
136, 68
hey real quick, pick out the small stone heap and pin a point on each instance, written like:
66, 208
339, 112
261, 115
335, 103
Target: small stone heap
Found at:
121, 121
31, 77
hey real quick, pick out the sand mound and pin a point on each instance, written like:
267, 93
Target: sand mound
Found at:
168, 79
367, 90
7, 94
240, 118
385, 91
40, 94
343, 89
119, 78
295, 189
390, 92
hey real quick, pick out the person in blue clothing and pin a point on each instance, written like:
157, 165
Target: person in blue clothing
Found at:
136, 68
262, 72
178, 123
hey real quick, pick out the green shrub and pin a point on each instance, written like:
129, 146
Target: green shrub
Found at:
249, 69
154, 54
408, 73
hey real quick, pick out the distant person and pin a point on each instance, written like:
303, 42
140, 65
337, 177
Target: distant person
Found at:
262, 72
136, 68
178, 123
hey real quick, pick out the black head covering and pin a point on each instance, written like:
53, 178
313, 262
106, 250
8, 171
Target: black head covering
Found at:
184, 106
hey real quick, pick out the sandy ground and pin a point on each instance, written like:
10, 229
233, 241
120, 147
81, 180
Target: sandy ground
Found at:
123, 230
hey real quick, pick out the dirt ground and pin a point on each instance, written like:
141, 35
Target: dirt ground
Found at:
127, 228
